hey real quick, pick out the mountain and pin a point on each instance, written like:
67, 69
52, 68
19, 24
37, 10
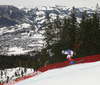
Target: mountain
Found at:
38, 14
21, 29
10, 15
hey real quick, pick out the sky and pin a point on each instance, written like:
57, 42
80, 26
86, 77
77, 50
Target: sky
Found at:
79, 74
35, 3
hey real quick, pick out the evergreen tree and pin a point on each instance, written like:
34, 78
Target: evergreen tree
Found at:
56, 46
95, 33
22, 73
73, 27
16, 74
49, 33
7, 78
57, 29
25, 70
1, 73
83, 35
88, 33
65, 35
44, 58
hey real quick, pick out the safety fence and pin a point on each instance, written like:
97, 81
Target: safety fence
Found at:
86, 59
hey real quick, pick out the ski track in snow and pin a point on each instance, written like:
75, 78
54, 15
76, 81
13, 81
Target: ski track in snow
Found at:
68, 70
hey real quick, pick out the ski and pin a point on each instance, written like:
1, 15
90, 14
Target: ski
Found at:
73, 63
76, 62
79, 61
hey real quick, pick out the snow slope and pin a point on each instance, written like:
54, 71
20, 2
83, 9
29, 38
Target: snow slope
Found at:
79, 74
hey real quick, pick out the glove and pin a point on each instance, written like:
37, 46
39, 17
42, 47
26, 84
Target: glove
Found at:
74, 53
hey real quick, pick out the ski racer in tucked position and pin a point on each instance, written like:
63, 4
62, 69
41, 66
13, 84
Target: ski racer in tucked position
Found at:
69, 54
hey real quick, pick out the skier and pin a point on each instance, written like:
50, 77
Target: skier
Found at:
69, 54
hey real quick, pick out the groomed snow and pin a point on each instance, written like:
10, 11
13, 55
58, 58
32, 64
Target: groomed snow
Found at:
79, 74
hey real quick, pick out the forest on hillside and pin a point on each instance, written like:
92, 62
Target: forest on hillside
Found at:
61, 34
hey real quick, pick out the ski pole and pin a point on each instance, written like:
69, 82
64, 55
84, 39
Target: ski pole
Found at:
78, 46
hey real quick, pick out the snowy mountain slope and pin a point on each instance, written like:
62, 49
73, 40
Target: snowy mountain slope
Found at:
25, 34
19, 39
11, 15
79, 74
38, 14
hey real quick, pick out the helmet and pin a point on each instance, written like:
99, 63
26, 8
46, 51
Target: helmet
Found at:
63, 51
